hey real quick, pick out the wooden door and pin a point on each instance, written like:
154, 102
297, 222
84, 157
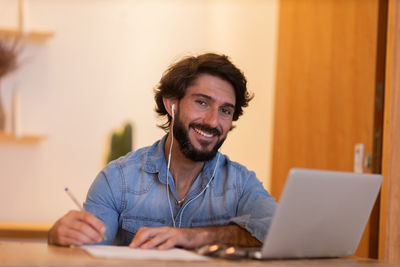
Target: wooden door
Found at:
326, 89
389, 234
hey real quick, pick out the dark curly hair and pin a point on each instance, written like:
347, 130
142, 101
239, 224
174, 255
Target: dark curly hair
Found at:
179, 76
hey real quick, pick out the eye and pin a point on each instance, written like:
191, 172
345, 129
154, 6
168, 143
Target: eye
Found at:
227, 112
201, 102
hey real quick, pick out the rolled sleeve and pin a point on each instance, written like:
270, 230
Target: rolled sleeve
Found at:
255, 209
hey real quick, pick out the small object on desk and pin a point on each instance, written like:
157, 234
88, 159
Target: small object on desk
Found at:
208, 250
79, 206
229, 252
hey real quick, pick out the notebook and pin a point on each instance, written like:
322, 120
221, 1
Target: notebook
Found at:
321, 214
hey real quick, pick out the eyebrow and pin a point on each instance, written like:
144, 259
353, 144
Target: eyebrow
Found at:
226, 104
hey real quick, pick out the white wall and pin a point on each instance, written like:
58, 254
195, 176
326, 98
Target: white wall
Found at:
100, 69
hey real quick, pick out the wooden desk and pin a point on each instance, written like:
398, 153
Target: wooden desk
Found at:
26, 231
41, 254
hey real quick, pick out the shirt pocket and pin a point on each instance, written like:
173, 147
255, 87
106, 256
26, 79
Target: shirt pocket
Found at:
131, 224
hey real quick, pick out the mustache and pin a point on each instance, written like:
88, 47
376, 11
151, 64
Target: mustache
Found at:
205, 128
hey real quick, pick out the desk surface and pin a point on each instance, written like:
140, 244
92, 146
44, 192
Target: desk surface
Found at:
41, 254
24, 230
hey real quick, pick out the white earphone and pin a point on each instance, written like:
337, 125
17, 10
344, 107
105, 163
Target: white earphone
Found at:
173, 110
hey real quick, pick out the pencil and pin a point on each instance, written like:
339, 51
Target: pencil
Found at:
73, 198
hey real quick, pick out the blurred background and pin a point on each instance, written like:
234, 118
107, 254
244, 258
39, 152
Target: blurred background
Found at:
325, 74
97, 70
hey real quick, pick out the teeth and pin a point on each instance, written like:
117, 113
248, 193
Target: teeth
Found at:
203, 133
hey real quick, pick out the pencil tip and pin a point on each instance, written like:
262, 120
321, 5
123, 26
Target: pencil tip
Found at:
66, 189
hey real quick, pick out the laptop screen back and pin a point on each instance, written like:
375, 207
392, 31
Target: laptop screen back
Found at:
321, 214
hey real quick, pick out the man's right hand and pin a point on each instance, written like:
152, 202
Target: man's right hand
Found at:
76, 228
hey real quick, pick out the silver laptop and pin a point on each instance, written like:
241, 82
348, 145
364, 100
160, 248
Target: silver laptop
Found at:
320, 214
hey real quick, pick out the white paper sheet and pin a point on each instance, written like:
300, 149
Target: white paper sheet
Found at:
112, 252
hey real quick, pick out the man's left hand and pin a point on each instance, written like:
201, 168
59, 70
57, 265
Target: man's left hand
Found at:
168, 237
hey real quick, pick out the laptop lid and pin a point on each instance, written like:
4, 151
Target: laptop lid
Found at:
321, 214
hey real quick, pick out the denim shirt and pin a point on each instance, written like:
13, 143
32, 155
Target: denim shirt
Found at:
131, 192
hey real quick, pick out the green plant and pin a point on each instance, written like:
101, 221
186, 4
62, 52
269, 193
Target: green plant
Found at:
121, 143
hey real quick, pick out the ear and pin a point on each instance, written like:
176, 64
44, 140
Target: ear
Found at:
168, 102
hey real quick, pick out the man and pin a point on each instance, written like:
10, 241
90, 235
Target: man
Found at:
180, 191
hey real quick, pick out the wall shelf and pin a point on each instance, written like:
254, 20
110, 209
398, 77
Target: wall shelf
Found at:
34, 36
25, 139
21, 30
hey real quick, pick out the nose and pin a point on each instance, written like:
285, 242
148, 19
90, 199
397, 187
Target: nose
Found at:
211, 118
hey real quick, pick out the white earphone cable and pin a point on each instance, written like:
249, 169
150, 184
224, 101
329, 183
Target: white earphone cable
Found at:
202, 191
169, 163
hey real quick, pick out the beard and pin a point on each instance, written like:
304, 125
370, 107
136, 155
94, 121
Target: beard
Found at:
188, 150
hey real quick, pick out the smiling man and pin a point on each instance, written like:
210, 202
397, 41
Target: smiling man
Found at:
180, 191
